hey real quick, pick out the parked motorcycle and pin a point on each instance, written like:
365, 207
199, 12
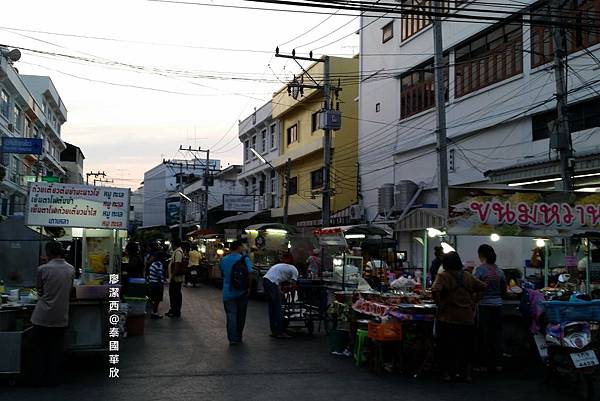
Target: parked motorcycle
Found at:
570, 348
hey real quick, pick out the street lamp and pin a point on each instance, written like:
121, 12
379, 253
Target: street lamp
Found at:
285, 181
184, 196
262, 159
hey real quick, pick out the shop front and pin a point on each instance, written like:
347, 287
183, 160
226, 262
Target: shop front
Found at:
91, 222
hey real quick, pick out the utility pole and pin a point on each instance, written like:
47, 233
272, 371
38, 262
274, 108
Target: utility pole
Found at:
91, 173
563, 135
329, 120
440, 105
207, 170
286, 201
206, 177
326, 195
102, 180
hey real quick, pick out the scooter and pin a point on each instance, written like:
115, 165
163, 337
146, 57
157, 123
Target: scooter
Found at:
570, 350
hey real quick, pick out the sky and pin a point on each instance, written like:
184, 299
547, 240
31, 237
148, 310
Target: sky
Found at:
162, 83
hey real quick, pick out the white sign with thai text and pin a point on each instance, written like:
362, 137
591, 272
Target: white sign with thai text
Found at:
70, 205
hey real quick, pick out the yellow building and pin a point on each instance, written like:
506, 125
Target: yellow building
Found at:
302, 142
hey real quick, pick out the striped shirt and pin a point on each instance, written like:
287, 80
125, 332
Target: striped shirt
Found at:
156, 273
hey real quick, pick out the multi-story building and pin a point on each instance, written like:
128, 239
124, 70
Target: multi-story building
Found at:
262, 133
301, 141
27, 110
162, 182
500, 98
71, 159
225, 182
55, 113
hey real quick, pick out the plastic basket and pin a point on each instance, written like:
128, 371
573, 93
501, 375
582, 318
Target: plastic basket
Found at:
388, 331
564, 311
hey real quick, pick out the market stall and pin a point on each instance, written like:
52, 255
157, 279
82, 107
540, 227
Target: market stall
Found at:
349, 253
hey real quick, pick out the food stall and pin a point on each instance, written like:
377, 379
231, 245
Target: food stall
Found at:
212, 247
267, 242
343, 249
99, 217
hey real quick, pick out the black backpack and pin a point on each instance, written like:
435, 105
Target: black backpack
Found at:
239, 275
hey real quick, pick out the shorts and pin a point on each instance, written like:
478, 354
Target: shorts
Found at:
156, 292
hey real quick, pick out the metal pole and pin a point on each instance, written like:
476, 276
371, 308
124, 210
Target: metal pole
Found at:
564, 136
425, 259
180, 201
545, 263
206, 173
326, 197
286, 202
440, 103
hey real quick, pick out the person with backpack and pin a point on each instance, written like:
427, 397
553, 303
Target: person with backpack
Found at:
455, 293
489, 322
235, 268
278, 274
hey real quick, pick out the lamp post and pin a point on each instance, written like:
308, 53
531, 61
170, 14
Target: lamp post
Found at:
286, 181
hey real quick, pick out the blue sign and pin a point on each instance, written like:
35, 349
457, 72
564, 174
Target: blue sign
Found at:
28, 146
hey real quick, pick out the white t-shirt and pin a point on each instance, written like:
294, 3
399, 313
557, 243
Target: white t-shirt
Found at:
282, 272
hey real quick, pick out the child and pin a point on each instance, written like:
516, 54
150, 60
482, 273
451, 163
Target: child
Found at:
156, 278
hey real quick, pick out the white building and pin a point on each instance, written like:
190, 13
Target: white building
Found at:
225, 182
500, 98
161, 182
260, 132
30, 107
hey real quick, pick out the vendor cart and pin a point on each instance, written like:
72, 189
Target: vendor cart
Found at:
304, 305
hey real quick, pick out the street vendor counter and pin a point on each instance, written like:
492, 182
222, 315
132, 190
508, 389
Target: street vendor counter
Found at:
88, 325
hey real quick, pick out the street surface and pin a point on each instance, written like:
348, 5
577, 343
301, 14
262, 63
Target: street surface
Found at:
190, 359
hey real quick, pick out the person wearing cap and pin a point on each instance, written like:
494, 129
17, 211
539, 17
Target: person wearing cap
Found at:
278, 274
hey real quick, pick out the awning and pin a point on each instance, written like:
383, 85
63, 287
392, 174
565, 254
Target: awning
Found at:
278, 226
542, 168
241, 217
421, 219
366, 229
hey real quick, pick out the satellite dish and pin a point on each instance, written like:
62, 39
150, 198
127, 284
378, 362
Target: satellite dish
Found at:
14, 55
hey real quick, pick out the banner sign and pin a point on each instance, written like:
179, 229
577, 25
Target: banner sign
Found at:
172, 206
28, 146
524, 213
69, 205
238, 203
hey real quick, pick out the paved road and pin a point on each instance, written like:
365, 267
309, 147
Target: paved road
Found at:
190, 359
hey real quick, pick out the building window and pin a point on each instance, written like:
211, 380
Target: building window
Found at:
261, 187
273, 188
18, 119
253, 145
28, 128
387, 32
413, 23
263, 141
246, 150
314, 121
293, 186
584, 29
316, 179
292, 134
377, 107
489, 58
582, 116
272, 136
4, 101
417, 92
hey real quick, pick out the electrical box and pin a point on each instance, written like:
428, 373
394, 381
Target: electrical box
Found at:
330, 119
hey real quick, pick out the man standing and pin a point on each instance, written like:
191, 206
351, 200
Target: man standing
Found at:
278, 274
176, 276
50, 317
438, 251
235, 300
194, 265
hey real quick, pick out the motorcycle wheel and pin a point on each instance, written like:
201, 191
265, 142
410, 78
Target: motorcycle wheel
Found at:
585, 386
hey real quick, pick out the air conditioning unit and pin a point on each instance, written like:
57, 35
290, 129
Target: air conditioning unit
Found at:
356, 212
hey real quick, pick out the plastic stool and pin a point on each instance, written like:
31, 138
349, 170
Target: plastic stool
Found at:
359, 346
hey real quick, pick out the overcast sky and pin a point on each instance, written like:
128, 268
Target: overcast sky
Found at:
125, 130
